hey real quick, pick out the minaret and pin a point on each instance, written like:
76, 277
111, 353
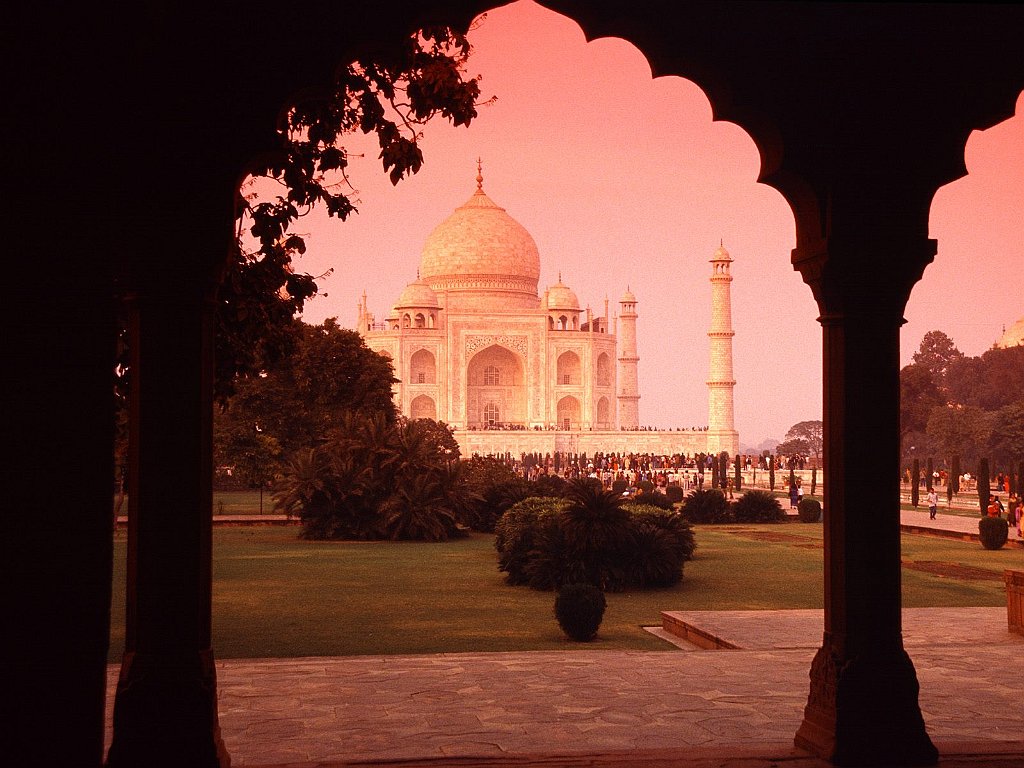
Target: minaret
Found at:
629, 387
722, 434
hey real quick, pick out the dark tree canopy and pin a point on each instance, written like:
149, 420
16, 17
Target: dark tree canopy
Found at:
809, 436
331, 372
919, 394
992, 381
390, 97
972, 406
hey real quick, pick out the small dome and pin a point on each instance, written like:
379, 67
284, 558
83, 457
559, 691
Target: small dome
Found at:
1013, 337
562, 297
417, 295
721, 254
628, 297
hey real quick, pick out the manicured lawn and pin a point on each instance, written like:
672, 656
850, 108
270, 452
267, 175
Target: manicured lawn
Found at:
278, 596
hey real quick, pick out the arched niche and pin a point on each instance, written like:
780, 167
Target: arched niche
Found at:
422, 368
604, 370
568, 413
568, 369
423, 407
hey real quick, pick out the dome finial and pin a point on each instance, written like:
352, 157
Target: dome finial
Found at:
560, 280
479, 176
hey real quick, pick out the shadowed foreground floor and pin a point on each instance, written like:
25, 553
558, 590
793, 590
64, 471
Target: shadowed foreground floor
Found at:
681, 707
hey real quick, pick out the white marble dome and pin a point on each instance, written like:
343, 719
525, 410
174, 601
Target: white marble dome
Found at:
482, 250
1013, 337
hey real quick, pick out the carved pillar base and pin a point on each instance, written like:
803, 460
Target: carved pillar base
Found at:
165, 713
863, 710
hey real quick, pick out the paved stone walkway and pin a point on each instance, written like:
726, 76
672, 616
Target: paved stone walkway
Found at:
695, 709
602, 708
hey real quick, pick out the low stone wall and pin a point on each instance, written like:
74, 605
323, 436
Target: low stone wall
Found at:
1015, 600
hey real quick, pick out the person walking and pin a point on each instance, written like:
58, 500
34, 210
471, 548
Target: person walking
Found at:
1012, 510
794, 496
933, 503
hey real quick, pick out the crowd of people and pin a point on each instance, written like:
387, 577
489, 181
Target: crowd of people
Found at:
686, 471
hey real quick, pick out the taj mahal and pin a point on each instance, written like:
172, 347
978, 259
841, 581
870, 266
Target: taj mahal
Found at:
474, 344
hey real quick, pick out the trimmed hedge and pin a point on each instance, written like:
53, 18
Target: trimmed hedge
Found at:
809, 510
993, 532
547, 543
579, 609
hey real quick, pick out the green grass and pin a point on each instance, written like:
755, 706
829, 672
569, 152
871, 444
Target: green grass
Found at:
275, 595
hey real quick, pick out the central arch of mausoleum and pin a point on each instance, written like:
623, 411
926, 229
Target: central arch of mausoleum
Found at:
496, 389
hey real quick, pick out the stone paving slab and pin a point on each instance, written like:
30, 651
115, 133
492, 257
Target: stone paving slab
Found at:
765, 630
586, 707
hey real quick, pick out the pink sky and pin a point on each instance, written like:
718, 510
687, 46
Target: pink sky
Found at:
625, 180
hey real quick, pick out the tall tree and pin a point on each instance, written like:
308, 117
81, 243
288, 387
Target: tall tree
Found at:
331, 372
1006, 443
936, 353
810, 434
960, 430
919, 393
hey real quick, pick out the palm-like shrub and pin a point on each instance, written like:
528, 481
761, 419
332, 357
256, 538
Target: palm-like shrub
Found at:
706, 505
758, 507
672, 523
993, 532
372, 479
653, 559
809, 510
552, 561
304, 491
597, 531
419, 510
550, 485
495, 500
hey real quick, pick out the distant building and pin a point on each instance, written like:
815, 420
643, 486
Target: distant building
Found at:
473, 344
1013, 337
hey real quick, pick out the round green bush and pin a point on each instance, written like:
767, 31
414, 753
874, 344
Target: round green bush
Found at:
994, 531
674, 494
516, 534
579, 609
809, 510
758, 507
707, 505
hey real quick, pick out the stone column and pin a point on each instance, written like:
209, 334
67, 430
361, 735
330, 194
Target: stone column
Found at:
165, 710
863, 703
